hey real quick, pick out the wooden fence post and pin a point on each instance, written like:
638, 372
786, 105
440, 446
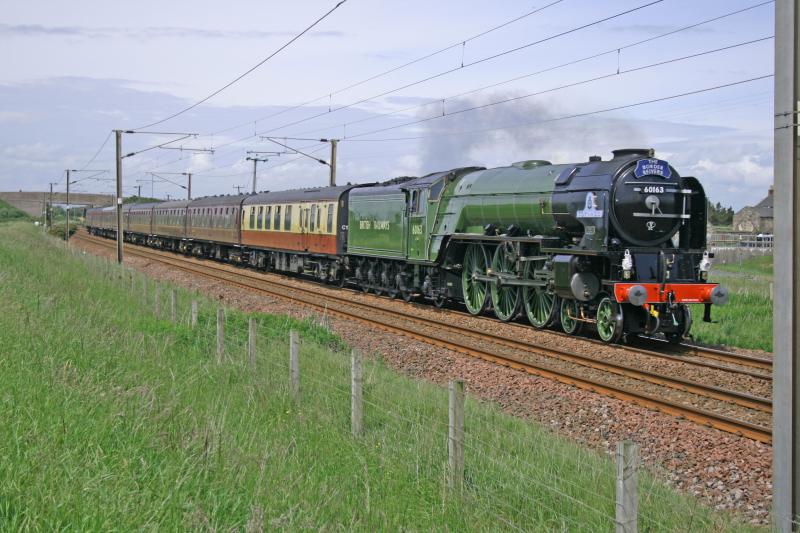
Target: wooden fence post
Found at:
173, 305
294, 364
251, 341
193, 317
455, 440
356, 393
220, 334
627, 487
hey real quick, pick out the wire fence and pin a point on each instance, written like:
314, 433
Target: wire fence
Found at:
478, 453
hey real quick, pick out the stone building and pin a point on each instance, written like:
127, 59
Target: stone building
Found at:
756, 218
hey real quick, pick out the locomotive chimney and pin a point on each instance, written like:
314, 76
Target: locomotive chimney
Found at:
625, 152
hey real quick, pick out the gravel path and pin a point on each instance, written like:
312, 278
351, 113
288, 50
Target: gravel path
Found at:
726, 471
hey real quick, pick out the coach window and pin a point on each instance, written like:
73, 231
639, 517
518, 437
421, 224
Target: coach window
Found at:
330, 218
252, 217
268, 218
260, 216
287, 219
313, 216
277, 222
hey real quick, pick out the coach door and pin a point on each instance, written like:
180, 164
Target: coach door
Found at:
305, 221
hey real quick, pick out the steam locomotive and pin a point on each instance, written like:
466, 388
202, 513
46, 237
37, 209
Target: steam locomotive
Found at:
616, 245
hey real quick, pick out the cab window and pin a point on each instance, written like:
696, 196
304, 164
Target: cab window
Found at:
436, 190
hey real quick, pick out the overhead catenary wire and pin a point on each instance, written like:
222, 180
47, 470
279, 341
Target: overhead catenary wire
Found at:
249, 71
518, 48
471, 64
394, 69
629, 45
97, 153
575, 115
447, 114
565, 86
614, 50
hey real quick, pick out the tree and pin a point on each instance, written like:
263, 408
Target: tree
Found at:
719, 215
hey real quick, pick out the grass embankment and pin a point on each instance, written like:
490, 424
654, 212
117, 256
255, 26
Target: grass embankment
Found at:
9, 212
114, 418
746, 322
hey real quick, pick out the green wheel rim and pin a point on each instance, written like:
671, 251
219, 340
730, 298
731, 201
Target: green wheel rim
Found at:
474, 290
569, 309
505, 299
539, 304
606, 321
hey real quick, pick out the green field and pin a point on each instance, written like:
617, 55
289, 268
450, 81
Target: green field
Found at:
746, 322
117, 419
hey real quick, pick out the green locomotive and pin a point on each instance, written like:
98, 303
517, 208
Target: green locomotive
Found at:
619, 244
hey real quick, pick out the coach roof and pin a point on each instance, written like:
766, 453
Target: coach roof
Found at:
175, 204
299, 195
226, 200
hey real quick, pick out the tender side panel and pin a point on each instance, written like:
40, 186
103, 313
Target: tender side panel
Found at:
377, 225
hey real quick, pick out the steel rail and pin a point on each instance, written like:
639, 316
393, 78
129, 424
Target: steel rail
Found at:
748, 429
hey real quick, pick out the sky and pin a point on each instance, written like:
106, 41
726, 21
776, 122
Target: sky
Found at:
554, 80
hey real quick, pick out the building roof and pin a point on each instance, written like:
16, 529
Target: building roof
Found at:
763, 208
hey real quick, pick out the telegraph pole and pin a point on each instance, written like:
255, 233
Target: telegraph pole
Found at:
66, 233
50, 208
334, 145
189, 188
238, 188
786, 307
255, 161
118, 136
138, 190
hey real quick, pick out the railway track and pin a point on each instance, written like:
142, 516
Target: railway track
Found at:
690, 400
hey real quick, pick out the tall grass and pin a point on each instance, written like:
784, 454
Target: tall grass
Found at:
746, 321
116, 419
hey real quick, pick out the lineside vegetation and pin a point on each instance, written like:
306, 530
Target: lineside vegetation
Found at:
9, 212
746, 321
114, 418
